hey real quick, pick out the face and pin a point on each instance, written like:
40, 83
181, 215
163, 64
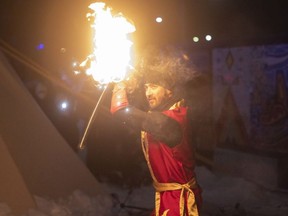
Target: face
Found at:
156, 95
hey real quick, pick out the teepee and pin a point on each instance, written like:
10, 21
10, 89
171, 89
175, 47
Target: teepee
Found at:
35, 160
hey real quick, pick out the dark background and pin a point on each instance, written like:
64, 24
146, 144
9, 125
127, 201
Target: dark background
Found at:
64, 32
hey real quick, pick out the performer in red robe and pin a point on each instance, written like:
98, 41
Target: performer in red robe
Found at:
166, 136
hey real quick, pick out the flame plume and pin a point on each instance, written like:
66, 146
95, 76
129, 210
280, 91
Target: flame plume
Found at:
112, 49
111, 60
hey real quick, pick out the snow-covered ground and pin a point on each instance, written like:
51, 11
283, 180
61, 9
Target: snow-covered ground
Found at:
223, 196
233, 196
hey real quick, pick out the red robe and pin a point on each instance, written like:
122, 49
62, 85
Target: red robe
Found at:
173, 165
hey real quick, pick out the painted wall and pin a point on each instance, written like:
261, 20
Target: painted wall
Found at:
250, 97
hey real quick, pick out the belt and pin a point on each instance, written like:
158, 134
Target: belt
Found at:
191, 202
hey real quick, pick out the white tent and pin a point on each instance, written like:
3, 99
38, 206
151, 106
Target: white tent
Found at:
35, 160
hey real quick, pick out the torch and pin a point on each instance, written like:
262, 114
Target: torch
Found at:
111, 58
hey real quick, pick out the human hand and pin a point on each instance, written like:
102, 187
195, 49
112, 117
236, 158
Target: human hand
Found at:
119, 97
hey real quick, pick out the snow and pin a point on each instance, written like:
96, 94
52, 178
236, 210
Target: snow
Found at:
226, 195
222, 195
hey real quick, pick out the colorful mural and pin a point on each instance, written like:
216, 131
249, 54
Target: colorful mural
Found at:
230, 96
269, 108
250, 97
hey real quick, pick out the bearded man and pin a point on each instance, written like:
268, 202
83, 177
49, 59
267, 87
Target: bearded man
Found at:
166, 131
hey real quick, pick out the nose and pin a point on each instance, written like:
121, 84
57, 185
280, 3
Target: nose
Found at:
148, 91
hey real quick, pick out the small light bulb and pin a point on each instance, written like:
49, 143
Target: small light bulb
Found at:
195, 39
208, 37
64, 105
159, 19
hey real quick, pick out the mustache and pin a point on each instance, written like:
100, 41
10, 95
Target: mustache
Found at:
150, 97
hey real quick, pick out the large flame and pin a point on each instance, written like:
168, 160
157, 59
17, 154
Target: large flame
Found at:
112, 49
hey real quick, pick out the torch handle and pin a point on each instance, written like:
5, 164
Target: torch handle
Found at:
93, 115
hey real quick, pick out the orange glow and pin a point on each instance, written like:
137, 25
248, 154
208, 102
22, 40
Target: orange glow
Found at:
112, 48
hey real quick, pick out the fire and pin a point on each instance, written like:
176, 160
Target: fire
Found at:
111, 47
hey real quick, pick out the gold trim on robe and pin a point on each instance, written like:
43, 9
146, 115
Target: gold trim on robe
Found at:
161, 187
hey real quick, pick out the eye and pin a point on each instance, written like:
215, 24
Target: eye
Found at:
150, 86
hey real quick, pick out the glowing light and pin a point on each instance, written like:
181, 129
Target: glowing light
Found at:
40, 46
195, 39
64, 105
102, 86
112, 49
208, 37
75, 64
159, 19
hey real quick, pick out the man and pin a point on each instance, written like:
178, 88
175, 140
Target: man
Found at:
166, 140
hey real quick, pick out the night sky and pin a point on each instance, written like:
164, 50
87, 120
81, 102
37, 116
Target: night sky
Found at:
56, 33
63, 24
